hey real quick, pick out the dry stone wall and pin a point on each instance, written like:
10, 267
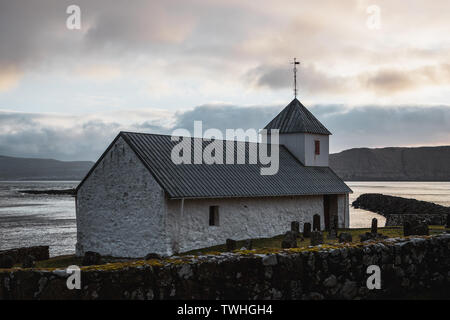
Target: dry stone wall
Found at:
407, 266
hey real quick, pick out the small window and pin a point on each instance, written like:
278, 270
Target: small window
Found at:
213, 215
317, 147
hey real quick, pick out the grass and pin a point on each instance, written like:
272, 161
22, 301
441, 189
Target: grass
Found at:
262, 245
275, 242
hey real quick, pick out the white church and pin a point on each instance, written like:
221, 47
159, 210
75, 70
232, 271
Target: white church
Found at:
136, 201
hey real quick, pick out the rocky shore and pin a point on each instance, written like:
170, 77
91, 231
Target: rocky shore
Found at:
397, 209
70, 192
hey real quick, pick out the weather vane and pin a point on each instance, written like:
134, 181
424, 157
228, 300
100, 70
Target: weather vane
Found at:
295, 63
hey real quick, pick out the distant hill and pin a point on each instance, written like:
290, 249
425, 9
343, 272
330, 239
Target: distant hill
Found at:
393, 164
12, 168
362, 164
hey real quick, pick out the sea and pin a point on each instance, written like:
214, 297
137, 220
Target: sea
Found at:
31, 220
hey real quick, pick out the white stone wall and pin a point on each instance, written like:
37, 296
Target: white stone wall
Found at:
121, 208
303, 147
122, 211
239, 219
343, 211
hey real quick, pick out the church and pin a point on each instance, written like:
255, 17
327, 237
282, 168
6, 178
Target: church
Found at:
135, 200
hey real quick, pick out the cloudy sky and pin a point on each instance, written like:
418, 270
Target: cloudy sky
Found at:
153, 66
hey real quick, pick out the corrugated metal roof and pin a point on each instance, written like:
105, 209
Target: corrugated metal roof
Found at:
295, 118
226, 180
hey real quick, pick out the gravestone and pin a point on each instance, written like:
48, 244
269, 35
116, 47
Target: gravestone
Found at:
290, 240
6, 261
231, 244
316, 222
374, 228
295, 227
415, 227
29, 262
406, 228
152, 255
248, 244
307, 230
345, 237
91, 258
332, 234
316, 238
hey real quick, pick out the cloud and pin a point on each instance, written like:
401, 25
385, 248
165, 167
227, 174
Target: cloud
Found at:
67, 137
9, 77
309, 79
385, 80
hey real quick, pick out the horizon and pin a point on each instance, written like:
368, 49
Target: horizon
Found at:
334, 153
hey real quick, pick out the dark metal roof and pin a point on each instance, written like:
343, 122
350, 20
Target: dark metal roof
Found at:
226, 180
295, 118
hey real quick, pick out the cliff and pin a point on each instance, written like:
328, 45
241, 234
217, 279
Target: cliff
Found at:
393, 164
12, 168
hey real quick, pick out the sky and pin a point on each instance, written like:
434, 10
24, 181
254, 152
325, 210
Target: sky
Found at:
375, 73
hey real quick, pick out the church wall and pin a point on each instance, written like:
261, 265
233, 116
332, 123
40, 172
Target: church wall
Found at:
239, 218
343, 211
120, 208
302, 146
311, 159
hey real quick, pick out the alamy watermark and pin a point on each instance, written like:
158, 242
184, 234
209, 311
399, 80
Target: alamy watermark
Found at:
374, 281
213, 153
74, 280
374, 19
73, 21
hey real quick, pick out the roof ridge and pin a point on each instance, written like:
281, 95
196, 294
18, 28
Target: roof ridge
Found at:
167, 135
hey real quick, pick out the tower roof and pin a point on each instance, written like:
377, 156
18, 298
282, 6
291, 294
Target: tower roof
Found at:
295, 118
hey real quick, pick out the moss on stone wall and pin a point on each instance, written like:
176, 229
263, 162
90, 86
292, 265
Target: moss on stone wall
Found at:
322, 272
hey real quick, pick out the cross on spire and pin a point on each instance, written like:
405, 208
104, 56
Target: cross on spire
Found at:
295, 63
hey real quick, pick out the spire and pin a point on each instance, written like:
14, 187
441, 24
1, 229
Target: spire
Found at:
295, 118
295, 63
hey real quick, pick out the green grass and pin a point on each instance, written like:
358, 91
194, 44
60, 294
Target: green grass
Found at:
273, 243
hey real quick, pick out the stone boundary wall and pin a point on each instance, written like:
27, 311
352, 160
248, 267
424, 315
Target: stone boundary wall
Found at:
19, 254
430, 219
393, 208
324, 272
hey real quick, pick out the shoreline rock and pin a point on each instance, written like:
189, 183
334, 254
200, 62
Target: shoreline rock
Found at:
397, 210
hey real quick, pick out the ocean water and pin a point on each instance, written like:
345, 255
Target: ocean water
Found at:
29, 220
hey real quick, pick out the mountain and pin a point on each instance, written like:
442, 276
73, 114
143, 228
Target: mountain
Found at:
361, 164
393, 164
12, 168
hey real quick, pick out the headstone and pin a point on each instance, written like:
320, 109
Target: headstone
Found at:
448, 221
366, 236
295, 227
290, 240
345, 237
332, 234
307, 230
152, 255
406, 228
231, 245
248, 244
316, 238
418, 228
374, 228
29, 262
316, 222
91, 258
6, 261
